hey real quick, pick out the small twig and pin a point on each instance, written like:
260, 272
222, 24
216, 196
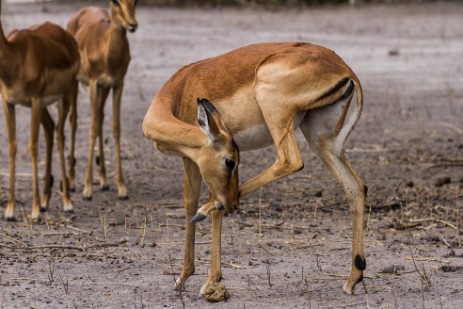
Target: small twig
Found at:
178, 288
268, 275
82, 248
13, 239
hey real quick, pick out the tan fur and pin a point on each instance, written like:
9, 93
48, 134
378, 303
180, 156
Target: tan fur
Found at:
263, 93
105, 57
38, 67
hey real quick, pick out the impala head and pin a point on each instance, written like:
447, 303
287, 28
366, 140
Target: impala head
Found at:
123, 13
218, 160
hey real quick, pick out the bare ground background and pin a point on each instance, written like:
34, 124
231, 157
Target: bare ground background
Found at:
289, 245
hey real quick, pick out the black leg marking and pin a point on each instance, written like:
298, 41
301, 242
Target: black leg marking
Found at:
360, 262
360, 279
365, 190
97, 160
52, 180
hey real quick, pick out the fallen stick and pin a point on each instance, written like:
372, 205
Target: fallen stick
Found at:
82, 248
409, 258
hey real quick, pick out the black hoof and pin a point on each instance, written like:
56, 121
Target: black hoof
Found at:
123, 198
198, 218
69, 211
43, 209
87, 198
105, 188
72, 189
10, 219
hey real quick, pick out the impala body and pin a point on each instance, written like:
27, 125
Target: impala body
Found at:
105, 58
38, 67
262, 94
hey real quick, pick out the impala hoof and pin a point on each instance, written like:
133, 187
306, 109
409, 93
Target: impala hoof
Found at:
87, 198
10, 219
123, 197
198, 218
105, 188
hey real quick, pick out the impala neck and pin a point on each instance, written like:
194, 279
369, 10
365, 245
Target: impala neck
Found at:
117, 36
5, 59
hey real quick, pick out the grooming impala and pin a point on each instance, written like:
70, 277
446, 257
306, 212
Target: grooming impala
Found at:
261, 93
38, 67
105, 57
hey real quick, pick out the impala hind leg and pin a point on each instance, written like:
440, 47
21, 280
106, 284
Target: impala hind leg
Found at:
73, 91
321, 137
95, 99
117, 96
36, 118
279, 120
63, 109
192, 187
10, 119
101, 162
49, 128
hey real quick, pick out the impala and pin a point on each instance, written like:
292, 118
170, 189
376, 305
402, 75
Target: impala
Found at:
260, 94
105, 57
38, 67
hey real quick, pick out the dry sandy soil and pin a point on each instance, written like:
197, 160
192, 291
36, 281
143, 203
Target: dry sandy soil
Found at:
289, 244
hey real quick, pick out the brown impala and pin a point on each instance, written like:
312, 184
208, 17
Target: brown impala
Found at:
38, 67
105, 58
260, 95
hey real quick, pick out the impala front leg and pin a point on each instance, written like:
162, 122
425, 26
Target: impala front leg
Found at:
117, 96
215, 274
192, 187
10, 119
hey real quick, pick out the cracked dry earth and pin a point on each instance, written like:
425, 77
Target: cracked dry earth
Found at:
289, 244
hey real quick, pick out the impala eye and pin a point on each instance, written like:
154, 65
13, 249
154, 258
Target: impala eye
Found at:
230, 163
116, 2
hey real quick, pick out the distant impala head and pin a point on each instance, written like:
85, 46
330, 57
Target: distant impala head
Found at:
218, 161
123, 12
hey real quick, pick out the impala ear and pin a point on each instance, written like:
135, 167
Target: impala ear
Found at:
209, 119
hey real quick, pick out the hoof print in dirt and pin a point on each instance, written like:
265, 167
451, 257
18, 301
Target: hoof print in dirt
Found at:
217, 292
442, 181
451, 268
392, 269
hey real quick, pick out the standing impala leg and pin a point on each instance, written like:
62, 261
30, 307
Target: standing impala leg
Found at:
34, 149
192, 188
215, 274
10, 119
73, 91
63, 109
117, 96
49, 128
95, 97
101, 162
321, 140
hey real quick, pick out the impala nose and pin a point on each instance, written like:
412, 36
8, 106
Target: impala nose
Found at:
133, 27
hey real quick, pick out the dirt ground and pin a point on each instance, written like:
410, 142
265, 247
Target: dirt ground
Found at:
289, 245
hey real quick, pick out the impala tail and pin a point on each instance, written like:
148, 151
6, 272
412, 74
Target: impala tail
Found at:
349, 125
